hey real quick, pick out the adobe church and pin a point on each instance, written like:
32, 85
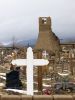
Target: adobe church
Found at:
47, 40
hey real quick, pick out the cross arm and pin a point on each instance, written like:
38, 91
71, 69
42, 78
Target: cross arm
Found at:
19, 62
36, 62
40, 62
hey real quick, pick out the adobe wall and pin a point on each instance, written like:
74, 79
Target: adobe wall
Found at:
37, 97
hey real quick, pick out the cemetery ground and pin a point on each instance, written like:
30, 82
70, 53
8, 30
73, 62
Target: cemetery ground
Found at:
57, 78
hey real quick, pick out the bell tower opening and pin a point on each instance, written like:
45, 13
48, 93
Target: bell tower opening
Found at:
44, 20
44, 24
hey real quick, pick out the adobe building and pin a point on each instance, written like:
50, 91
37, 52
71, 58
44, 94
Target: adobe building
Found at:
47, 40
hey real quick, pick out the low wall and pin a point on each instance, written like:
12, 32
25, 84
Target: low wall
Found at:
37, 97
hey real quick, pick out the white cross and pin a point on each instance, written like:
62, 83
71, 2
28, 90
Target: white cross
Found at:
30, 62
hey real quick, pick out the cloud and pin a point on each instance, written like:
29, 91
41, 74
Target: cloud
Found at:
19, 18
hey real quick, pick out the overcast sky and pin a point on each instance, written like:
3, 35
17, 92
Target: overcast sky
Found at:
19, 18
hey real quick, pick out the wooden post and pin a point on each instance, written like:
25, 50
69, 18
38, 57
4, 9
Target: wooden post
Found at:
71, 65
39, 56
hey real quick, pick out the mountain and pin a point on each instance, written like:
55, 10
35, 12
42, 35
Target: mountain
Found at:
25, 43
1, 45
68, 41
28, 42
19, 43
